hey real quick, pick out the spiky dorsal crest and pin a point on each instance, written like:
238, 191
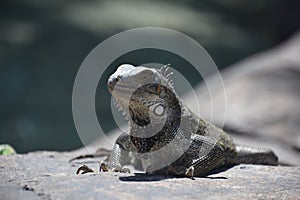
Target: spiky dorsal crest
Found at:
166, 73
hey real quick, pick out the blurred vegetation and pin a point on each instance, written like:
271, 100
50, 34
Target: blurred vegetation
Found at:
42, 45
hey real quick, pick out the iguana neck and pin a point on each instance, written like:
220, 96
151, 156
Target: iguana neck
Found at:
158, 138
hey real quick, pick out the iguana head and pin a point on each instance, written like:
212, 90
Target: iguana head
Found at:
145, 95
130, 76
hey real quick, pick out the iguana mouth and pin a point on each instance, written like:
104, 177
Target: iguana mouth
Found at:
114, 87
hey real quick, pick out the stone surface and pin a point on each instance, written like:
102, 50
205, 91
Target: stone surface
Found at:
48, 175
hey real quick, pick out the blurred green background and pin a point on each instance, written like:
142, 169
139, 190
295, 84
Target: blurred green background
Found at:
43, 42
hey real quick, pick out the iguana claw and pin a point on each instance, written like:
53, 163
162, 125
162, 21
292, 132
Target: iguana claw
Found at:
85, 169
105, 168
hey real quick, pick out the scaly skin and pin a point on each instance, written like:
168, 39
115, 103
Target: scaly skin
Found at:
165, 136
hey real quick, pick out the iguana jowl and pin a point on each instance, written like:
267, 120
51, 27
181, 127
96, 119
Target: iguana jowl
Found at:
165, 135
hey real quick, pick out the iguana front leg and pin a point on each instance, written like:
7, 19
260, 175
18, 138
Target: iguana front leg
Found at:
119, 156
116, 161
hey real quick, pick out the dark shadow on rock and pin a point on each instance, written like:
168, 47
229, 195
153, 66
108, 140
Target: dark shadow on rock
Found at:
143, 177
85, 162
217, 171
217, 178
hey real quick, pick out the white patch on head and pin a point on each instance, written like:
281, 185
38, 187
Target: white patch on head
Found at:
123, 70
139, 75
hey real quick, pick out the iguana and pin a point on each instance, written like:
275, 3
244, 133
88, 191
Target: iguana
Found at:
165, 135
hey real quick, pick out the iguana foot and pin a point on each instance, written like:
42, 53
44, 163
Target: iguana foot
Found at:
189, 172
105, 168
85, 169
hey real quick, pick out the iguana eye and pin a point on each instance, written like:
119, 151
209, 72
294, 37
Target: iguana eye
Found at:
159, 110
